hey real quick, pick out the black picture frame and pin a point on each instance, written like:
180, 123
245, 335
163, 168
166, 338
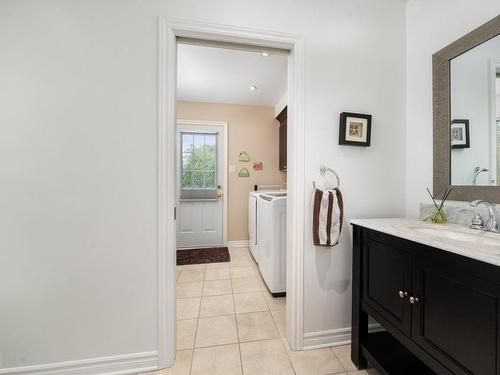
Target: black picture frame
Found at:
467, 135
344, 139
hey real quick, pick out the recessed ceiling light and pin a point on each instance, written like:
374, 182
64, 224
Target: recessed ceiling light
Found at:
252, 88
265, 54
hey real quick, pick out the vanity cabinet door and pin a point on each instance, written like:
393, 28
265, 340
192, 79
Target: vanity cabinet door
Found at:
386, 273
455, 319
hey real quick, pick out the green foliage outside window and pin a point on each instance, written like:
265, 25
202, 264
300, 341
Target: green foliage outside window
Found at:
199, 159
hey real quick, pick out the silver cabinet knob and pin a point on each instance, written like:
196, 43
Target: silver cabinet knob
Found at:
414, 300
402, 294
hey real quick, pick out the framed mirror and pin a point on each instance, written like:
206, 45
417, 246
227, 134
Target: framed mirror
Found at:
466, 99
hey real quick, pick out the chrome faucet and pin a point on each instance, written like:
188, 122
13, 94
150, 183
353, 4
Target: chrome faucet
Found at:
478, 170
491, 224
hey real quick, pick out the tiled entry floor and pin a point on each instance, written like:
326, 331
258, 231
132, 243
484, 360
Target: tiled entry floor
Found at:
229, 324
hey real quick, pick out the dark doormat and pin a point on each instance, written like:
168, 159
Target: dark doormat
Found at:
206, 255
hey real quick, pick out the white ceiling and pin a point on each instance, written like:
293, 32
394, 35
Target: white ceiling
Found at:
217, 75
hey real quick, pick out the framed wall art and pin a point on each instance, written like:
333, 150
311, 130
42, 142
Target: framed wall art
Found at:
460, 137
355, 129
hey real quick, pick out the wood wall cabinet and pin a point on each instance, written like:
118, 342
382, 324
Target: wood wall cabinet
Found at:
282, 139
440, 311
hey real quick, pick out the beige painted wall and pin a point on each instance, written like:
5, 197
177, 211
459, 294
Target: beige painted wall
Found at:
252, 129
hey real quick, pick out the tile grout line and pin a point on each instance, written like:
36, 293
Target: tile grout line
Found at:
236, 322
239, 342
338, 359
342, 372
198, 319
261, 291
286, 351
276, 324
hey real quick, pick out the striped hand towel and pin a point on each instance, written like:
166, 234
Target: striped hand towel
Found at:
327, 217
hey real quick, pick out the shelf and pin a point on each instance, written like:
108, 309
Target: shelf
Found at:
390, 357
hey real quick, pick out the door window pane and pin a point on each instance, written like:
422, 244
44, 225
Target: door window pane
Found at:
199, 178
187, 142
210, 153
210, 180
199, 162
187, 161
187, 179
198, 153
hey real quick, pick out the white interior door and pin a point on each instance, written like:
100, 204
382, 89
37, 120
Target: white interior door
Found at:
200, 175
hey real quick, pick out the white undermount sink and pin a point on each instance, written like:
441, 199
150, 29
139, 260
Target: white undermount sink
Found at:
454, 238
478, 237
458, 233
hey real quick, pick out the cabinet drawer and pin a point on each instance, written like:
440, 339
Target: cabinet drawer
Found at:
386, 272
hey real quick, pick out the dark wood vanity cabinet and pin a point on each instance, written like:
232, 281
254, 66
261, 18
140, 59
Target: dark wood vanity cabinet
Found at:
387, 270
440, 311
282, 139
456, 319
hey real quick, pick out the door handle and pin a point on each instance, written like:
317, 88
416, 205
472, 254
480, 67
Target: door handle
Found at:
414, 300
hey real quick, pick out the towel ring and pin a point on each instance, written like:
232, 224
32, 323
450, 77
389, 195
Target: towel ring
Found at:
322, 170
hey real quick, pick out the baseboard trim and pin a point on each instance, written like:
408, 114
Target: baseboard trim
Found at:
332, 337
112, 365
243, 243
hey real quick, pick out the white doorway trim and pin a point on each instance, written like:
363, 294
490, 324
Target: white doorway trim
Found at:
169, 30
224, 167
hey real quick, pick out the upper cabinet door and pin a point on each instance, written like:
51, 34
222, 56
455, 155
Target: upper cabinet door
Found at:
387, 274
282, 118
455, 318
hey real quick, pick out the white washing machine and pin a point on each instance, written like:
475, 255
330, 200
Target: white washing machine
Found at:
252, 220
252, 223
271, 240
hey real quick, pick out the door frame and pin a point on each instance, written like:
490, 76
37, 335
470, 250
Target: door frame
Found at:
224, 171
168, 32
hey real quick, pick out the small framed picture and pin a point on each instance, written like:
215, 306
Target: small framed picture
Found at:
355, 129
257, 165
460, 134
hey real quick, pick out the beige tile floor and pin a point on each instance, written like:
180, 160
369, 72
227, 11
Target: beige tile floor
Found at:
229, 324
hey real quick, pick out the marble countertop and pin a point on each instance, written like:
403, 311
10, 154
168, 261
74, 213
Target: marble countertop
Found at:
454, 238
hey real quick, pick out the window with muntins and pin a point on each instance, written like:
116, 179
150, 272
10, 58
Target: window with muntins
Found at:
198, 175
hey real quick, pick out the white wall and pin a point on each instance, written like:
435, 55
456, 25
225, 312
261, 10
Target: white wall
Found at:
431, 25
354, 62
78, 163
357, 65
77, 180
